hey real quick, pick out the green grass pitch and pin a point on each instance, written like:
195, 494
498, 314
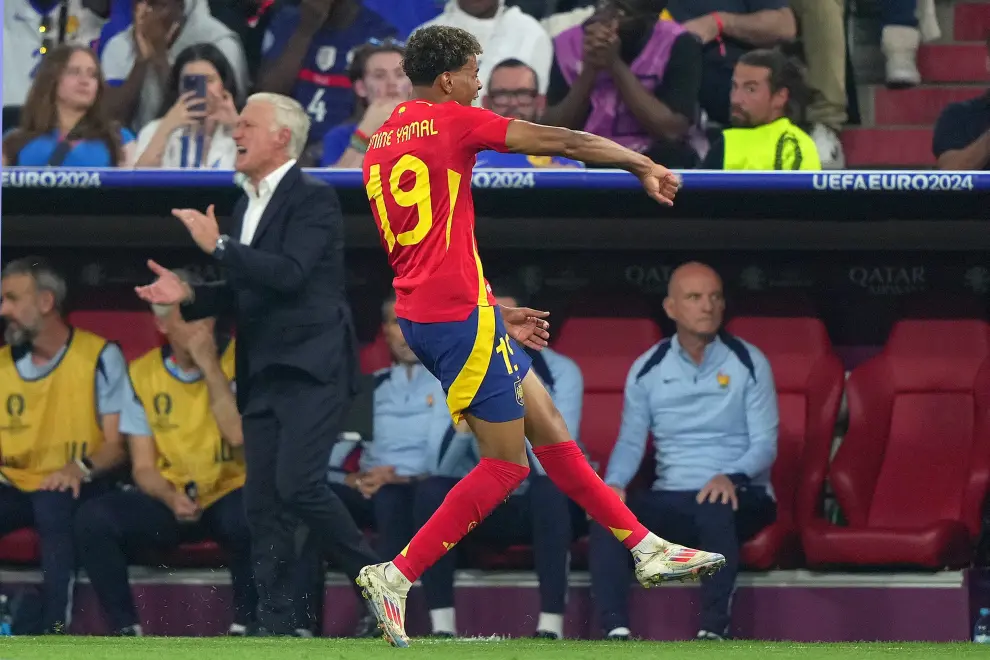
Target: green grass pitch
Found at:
181, 648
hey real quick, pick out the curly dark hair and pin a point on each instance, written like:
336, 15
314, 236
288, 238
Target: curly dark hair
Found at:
436, 49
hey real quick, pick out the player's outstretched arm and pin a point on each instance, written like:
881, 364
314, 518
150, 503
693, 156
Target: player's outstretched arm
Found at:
535, 140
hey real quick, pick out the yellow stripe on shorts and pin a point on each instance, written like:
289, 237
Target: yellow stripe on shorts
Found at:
464, 388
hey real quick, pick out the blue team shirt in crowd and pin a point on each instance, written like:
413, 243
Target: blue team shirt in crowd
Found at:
458, 453
322, 85
406, 15
522, 161
85, 153
335, 143
719, 417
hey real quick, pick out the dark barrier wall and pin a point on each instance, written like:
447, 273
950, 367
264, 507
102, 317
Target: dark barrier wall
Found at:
860, 249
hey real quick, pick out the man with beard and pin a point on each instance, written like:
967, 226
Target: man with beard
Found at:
53, 443
769, 97
631, 77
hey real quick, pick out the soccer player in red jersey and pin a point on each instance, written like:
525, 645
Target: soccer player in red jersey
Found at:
417, 173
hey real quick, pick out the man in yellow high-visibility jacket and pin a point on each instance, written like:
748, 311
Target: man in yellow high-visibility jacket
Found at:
768, 96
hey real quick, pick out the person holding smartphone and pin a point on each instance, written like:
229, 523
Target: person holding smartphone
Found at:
196, 123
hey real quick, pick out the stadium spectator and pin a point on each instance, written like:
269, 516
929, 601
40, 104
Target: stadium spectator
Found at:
899, 41
184, 435
709, 401
821, 24
626, 75
513, 92
64, 121
34, 28
137, 60
726, 30
768, 106
187, 133
379, 85
503, 32
961, 140
306, 54
409, 419
63, 389
537, 512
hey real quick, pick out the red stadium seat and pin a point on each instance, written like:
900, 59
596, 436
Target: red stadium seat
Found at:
20, 547
605, 349
199, 554
375, 356
809, 380
135, 331
912, 471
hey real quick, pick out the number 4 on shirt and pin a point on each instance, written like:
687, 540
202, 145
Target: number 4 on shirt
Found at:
318, 107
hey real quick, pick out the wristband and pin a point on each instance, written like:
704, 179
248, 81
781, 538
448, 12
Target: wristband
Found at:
721, 30
86, 466
364, 137
359, 145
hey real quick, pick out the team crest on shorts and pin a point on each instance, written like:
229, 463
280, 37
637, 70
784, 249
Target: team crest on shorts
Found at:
519, 392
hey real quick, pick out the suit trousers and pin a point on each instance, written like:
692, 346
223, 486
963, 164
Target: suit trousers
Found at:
290, 423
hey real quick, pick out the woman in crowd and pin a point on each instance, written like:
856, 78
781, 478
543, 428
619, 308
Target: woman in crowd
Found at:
189, 132
64, 120
379, 84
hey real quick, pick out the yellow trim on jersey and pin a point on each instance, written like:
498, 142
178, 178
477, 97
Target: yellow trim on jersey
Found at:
50, 421
453, 187
464, 388
482, 289
186, 435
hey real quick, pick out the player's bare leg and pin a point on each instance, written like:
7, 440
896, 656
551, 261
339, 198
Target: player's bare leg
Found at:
656, 560
503, 467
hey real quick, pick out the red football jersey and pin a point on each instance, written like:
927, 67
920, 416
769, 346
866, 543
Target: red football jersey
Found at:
417, 173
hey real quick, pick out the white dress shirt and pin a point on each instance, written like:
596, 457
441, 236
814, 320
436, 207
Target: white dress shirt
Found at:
258, 201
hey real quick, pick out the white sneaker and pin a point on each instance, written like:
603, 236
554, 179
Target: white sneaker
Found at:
830, 151
900, 46
387, 599
674, 563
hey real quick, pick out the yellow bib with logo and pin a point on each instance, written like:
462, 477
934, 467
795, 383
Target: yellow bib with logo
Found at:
51, 421
779, 145
189, 444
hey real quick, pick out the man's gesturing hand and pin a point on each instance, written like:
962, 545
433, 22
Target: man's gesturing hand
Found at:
168, 289
661, 184
527, 326
204, 229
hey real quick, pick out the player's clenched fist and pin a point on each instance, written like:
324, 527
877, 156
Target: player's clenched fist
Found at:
661, 184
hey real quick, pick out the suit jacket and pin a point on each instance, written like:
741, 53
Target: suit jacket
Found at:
286, 289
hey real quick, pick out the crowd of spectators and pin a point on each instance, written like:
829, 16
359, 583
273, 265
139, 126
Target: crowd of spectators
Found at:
660, 76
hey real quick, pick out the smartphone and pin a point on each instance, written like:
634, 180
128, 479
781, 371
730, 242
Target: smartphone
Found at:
197, 85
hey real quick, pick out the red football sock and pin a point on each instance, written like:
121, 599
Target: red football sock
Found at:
466, 505
567, 467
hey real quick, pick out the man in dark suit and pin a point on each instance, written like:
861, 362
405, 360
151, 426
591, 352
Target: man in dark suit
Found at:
295, 344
